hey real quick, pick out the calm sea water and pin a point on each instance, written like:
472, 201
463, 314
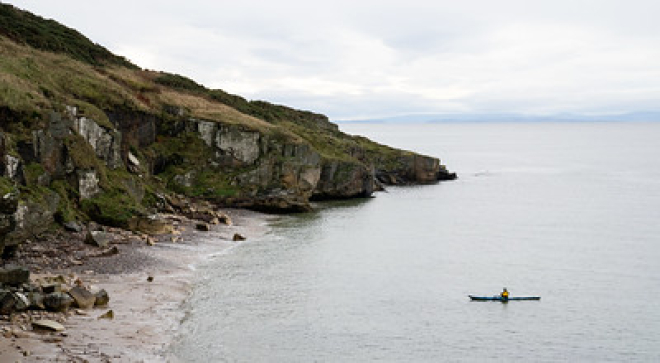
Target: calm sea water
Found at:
570, 212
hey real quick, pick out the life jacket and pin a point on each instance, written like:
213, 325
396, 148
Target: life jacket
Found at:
505, 294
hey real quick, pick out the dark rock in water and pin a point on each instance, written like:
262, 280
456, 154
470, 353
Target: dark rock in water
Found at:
73, 226
82, 298
99, 238
203, 227
238, 237
102, 298
58, 301
36, 300
14, 275
47, 325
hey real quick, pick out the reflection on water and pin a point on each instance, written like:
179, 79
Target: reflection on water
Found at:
567, 212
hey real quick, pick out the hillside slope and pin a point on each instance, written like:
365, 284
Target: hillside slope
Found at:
86, 135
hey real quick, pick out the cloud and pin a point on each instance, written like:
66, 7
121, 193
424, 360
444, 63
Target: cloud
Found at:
353, 59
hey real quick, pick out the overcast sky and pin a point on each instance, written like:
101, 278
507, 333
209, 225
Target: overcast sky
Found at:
366, 58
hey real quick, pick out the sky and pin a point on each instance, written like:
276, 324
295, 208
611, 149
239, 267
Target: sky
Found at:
360, 59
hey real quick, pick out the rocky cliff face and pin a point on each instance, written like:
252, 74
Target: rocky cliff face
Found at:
72, 159
85, 135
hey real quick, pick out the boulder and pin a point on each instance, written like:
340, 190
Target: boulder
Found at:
151, 225
36, 300
51, 288
47, 325
12, 301
73, 226
102, 298
22, 302
108, 252
58, 301
7, 302
224, 219
203, 227
238, 237
82, 298
14, 275
99, 238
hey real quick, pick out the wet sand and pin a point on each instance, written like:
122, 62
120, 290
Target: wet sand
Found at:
146, 314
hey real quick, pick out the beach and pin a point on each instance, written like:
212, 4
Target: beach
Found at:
147, 286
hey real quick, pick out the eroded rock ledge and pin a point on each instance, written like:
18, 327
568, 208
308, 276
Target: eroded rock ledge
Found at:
74, 168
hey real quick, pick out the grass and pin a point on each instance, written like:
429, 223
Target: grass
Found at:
112, 207
67, 209
49, 35
6, 186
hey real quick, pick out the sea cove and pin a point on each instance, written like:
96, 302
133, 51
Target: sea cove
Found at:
565, 211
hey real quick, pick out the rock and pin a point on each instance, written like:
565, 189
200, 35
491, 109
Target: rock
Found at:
133, 159
7, 302
224, 219
82, 298
101, 298
107, 315
151, 241
99, 238
14, 275
108, 252
88, 184
150, 279
36, 300
22, 302
238, 237
12, 302
151, 225
58, 301
203, 227
73, 226
47, 325
32, 217
51, 288
106, 143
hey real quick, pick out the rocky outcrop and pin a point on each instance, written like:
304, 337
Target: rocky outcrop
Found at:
341, 179
32, 216
105, 143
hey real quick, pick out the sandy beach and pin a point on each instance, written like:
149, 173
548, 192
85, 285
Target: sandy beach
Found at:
147, 287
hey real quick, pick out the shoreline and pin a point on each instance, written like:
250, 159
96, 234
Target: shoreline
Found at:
147, 314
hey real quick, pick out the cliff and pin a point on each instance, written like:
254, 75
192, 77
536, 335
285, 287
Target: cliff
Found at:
86, 135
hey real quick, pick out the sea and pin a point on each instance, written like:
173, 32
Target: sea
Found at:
568, 211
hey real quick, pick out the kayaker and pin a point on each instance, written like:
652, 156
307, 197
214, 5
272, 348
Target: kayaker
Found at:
505, 295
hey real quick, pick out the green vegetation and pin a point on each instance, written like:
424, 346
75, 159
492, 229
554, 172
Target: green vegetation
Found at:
113, 207
82, 153
178, 82
6, 186
49, 35
32, 172
67, 209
